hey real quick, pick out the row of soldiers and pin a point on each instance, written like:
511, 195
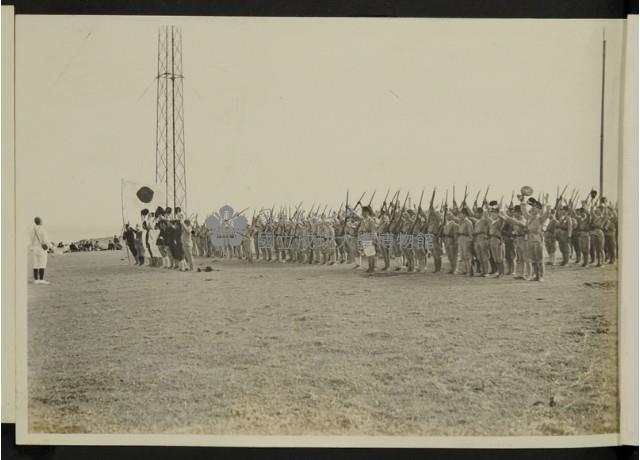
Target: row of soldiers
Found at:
485, 239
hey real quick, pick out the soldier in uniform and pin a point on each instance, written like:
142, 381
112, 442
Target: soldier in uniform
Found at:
509, 244
341, 236
434, 228
519, 224
583, 228
465, 242
450, 237
610, 236
385, 241
481, 240
550, 238
370, 227
407, 237
536, 219
496, 244
598, 222
564, 233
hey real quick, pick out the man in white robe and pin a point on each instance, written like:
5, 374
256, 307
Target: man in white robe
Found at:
39, 248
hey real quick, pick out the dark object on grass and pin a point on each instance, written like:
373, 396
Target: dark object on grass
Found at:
208, 269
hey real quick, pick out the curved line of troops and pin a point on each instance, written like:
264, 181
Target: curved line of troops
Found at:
485, 238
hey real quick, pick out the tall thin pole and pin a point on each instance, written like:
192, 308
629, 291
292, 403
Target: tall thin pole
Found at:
166, 120
604, 51
173, 113
158, 108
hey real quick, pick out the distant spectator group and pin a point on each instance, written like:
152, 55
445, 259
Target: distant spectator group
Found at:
93, 245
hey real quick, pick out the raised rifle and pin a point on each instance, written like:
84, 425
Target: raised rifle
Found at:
371, 200
484, 200
464, 198
346, 215
359, 202
394, 202
384, 202
403, 208
433, 195
475, 202
559, 196
417, 213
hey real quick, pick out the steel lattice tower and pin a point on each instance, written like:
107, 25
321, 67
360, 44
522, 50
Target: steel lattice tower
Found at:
170, 154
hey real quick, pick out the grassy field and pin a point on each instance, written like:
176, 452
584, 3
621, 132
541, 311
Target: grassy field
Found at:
290, 349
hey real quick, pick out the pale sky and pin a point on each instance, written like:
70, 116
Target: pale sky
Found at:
298, 109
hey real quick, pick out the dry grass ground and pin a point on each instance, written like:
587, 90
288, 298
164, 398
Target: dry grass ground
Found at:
290, 349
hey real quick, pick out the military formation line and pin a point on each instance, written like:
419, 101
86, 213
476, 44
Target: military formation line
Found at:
483, 238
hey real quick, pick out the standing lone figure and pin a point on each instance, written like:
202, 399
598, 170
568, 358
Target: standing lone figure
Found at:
39, 249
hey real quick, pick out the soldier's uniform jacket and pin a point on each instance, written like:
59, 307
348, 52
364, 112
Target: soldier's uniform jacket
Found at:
495, 228
507, 229
565, 223
465, 228
450, 230
551, 226
583, 223
611, 225
598, 222
535, 224
481, 227
434, 223
370, 226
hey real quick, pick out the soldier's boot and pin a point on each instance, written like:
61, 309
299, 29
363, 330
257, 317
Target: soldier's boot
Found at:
410, 265
493, 266
387, 260
552, 258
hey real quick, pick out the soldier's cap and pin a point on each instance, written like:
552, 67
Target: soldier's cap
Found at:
367, 209
565, 208
159, 211
517, 208
493, 203
465, 211
580, 210
144, 212
167, 210
531, 201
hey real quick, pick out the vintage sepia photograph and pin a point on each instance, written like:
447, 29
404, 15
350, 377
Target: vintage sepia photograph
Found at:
235, 226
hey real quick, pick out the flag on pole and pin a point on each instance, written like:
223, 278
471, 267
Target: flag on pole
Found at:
136, 197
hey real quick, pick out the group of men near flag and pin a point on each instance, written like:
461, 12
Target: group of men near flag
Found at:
163, 238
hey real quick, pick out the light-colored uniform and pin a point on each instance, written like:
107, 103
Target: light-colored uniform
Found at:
465, 244
38, 238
